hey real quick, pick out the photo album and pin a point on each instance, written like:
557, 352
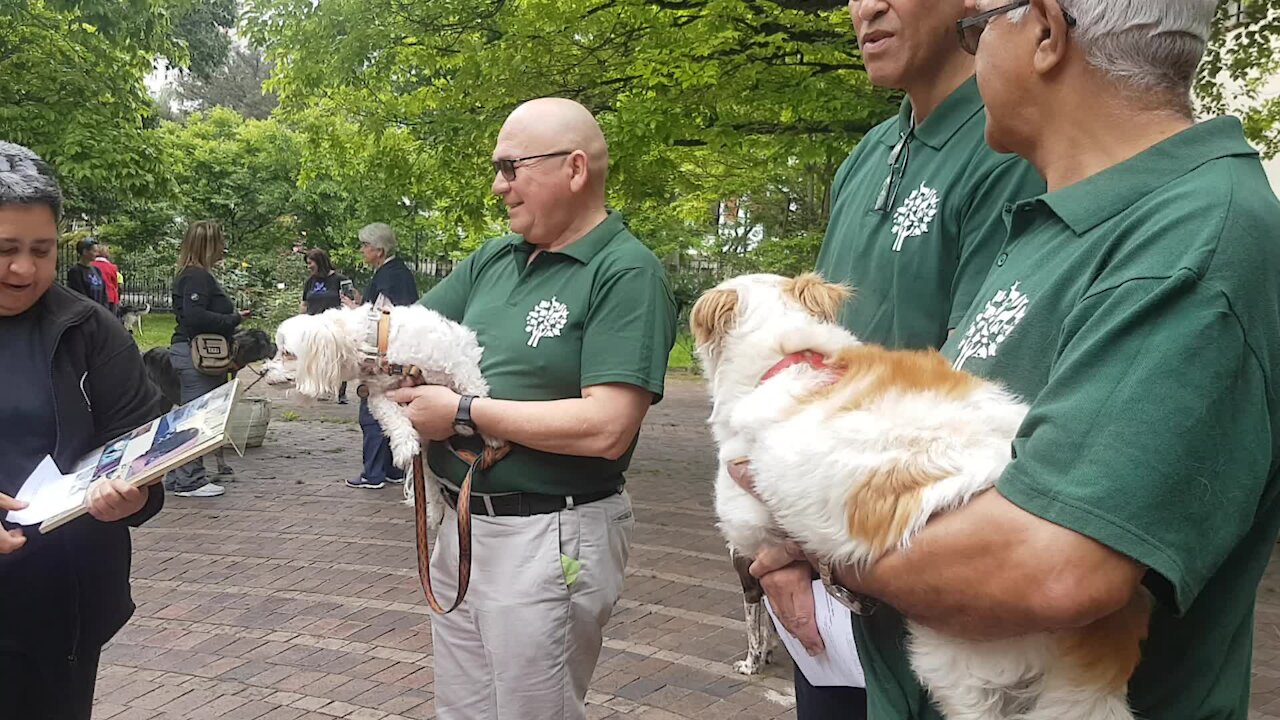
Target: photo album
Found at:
141, 458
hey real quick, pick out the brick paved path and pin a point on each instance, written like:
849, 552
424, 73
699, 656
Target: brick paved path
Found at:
295, 597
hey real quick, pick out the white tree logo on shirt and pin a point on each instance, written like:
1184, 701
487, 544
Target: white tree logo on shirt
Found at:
913, 216
546, 319
993, 325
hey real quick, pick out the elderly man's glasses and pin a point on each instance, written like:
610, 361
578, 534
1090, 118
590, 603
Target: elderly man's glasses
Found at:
970, 28
507, 166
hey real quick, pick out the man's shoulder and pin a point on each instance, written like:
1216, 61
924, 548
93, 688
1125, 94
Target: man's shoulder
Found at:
626, 251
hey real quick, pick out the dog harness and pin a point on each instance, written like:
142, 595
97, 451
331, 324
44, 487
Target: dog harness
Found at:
476, 463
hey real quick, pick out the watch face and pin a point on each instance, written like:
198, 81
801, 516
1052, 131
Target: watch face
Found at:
463, 430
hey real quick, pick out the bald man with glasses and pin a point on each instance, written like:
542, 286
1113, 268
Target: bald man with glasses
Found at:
576, 318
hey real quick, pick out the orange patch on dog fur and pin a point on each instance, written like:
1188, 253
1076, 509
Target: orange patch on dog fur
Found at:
820, 298
881, 508
870, 372
713, 315
1105, 653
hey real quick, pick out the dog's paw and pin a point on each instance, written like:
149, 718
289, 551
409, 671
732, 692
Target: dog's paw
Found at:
403, 456
753, 664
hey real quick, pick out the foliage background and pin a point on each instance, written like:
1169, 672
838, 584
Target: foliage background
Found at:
295, 122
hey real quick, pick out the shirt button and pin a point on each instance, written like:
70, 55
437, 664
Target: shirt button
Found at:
1000, 260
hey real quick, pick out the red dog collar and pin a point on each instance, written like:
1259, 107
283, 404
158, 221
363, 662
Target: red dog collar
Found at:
808, 357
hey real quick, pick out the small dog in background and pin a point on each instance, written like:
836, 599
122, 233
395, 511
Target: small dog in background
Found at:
322, 351
853, 448
131, 316
247, 346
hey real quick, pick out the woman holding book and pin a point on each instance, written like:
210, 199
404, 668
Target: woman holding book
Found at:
65, 593
200, 306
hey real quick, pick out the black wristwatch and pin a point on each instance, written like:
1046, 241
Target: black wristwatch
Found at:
857, 603
462, 423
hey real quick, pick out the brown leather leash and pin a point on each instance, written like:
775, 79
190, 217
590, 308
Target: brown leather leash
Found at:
476, 463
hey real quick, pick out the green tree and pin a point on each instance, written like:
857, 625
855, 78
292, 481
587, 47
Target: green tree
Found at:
236, 84
72, 90
701, 99
1243, 56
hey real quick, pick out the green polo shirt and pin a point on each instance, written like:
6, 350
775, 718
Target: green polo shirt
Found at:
1138, 312
599, 311
916, 262
909, 295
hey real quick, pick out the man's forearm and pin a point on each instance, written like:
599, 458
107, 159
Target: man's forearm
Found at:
990, 570
576, 426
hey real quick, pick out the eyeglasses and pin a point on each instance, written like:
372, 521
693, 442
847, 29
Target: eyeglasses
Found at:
970, 28
507, 166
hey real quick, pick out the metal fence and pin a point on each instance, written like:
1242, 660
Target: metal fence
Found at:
153, 285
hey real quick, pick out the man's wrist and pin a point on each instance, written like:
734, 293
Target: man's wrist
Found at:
844, 584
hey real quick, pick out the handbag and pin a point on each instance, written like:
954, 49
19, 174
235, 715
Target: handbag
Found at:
211, 354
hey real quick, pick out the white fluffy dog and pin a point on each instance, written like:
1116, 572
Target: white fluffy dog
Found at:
853, 448
340, 345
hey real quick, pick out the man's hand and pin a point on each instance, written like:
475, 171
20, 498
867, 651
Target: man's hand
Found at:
354, 301
788, 583
114, 499
431, 409
740, 471
11, 540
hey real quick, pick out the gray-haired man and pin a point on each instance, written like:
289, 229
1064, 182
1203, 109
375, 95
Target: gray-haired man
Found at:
393, 281
1137, 309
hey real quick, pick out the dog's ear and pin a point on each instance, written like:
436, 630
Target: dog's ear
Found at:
821, 298
713, 316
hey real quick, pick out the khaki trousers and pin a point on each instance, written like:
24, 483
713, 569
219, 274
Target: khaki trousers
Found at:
524, 643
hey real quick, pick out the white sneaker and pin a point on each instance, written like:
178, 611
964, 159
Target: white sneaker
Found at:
209, 490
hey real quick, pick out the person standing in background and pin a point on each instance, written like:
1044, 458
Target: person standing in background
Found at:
200, 306
83, 277
111, 277
392, 280
323, 291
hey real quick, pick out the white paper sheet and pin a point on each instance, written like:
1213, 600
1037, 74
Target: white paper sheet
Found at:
839, 665
48, 492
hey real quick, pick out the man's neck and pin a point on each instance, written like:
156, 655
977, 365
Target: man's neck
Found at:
580, 226
1075, 144
928, 94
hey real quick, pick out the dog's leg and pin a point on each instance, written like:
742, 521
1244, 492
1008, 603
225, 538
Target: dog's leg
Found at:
403, 436
759, 627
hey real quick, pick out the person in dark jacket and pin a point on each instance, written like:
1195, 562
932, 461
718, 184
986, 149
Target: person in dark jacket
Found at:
323, 291
200, 306
391, 280
76, 382
83, 277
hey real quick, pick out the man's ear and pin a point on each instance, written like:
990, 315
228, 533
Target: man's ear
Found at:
580, 170
1052, 35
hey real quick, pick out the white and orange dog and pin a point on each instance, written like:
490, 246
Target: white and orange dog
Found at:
853, 448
